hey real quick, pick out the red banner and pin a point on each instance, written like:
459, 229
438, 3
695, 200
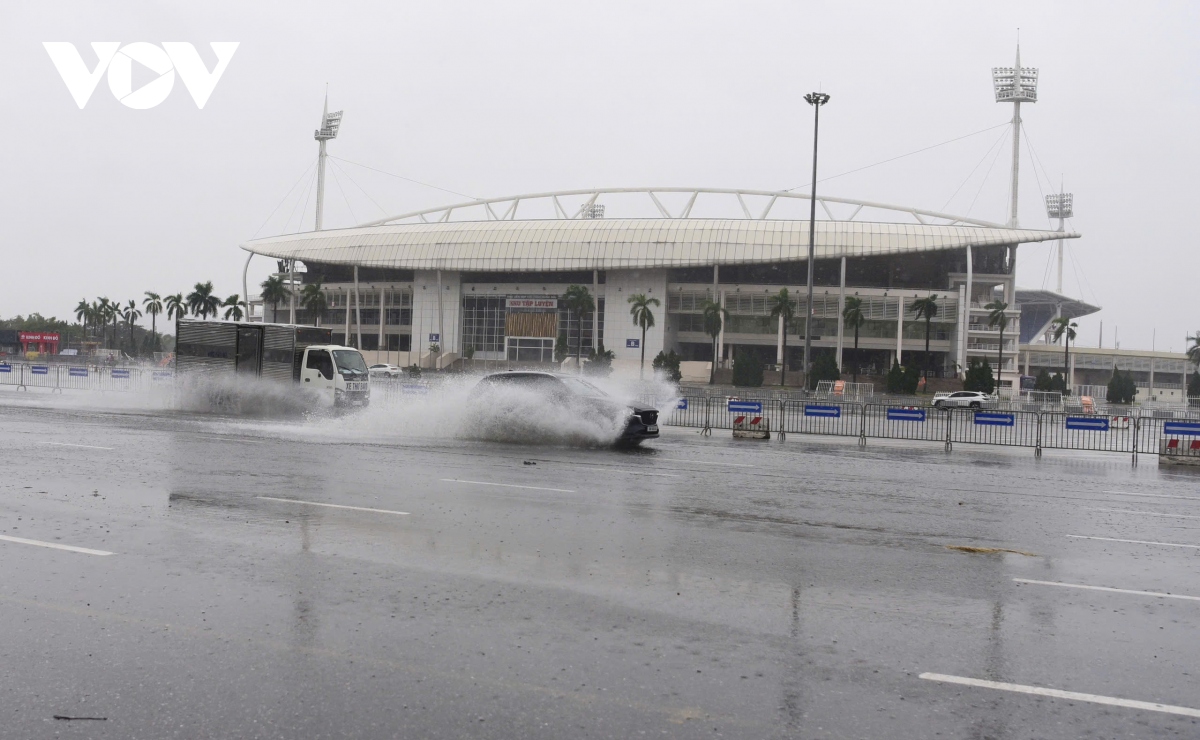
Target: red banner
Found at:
38, 336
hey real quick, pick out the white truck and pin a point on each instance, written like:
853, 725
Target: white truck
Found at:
301, 359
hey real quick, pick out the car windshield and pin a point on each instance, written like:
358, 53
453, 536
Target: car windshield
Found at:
349, 363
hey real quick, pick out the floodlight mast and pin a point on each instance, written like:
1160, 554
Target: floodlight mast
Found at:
1060, 205
330, 123
1015, 85
816, 100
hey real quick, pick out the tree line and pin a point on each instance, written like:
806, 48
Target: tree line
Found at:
101, 319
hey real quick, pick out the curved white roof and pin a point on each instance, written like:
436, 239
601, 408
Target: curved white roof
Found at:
608, 244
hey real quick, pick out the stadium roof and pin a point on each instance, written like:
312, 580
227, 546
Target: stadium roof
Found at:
580, 243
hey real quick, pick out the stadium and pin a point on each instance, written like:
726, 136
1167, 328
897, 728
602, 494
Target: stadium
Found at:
484, 278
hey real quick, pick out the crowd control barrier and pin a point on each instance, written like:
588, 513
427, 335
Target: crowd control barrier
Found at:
58, 378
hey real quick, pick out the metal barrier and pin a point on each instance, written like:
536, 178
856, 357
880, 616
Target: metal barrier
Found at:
1087, 432
905, 422
821, 417
689, 411
983, 426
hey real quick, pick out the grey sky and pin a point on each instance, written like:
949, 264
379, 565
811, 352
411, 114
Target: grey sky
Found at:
498, 98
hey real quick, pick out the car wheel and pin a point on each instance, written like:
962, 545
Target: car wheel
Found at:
975, 404
938, 404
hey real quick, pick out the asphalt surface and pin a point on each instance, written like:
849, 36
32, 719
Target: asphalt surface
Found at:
697, 587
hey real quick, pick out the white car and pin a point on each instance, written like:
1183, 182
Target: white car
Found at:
383, 370
962, 400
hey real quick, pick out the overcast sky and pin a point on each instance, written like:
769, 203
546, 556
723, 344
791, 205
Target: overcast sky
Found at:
498, 98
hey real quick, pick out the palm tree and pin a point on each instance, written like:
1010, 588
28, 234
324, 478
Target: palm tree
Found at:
98, 317
925, 308
714, 320
83, 314
313, 299
1064, 327
154, 306
131, 314
854, 317
579, 301
643, 317
783, 307
999, 319
1193, 352
233, 306
104, 314
274, 291
176, 306
202, 302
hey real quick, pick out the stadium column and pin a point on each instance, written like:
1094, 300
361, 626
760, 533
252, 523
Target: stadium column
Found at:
841, 309
900, 329
595, 311
346, 336
357, 311
721, 335
961, 353
970, 292
779, 342
380, 346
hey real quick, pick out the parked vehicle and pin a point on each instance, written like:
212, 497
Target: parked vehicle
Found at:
962, 400
302, 358
559, 400
384, 370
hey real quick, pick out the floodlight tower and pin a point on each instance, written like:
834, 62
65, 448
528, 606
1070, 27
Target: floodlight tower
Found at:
1015, 85
1060, 205
330, 123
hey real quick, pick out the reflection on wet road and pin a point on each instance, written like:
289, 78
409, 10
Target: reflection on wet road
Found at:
302, 580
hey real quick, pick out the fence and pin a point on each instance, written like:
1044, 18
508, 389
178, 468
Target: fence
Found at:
1038, 430
61, 377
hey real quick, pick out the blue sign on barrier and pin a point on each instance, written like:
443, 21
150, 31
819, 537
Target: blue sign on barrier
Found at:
413, 389
1182, 428
745, 407
906, 414
77, 372
828, 412
1090, 423
120, 374
163, 375
682, 405
994, 419
40, 370
5, 368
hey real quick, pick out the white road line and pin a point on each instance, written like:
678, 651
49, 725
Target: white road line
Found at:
1146, 513
635, 472
505, 485
65, 444
1158, 594
54, 545
1132, 542
1111, 701
332, 506
1154, 495
706, 462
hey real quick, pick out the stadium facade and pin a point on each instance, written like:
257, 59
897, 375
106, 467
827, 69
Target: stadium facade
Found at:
486, 277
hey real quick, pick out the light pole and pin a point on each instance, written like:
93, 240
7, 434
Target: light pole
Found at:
816, 100
1060, 205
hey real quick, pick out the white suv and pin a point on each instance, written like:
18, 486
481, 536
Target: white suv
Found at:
962, 400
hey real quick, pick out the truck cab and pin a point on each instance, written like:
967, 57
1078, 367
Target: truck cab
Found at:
336, 376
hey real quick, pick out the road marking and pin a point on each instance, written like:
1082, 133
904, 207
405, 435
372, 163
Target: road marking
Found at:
332, 506
1154, 495
1060, 694
1106, 588
635, 472
65, 444
54, 545
1146, 513
505, 485
1132, 542
707, 462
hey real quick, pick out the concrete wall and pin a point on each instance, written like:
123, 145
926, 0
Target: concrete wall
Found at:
426, 313
618, 324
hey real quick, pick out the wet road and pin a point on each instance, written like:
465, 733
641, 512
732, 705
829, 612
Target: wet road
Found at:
283, 580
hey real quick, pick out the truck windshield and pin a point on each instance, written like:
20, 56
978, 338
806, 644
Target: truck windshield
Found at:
349, 363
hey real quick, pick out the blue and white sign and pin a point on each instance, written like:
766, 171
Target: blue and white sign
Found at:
906, 414
40, 370
1182, 428
414, 389
163, 375
994, 419
682, 405
1088, 423
435, 337
5, 368
77, 372
633, 344
119, 374
745, 407
827, 412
